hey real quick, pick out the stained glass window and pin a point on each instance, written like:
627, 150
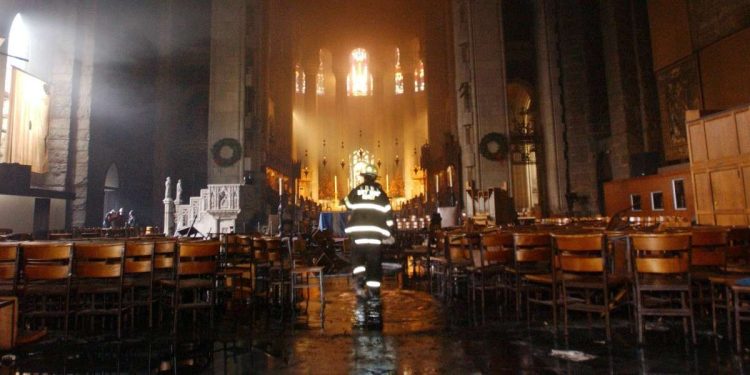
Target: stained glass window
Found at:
399, 75
320, 80
359, 79
299, 80
419, 84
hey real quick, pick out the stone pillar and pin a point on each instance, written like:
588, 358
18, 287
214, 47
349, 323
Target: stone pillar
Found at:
550, 122
169, 209
168, 216
226, 95
480, 85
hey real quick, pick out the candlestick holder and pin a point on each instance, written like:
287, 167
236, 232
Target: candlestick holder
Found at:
281, 214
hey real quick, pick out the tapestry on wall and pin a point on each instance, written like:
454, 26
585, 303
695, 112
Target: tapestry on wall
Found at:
679, 90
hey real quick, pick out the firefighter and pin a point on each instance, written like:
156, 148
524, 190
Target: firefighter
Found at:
369, 225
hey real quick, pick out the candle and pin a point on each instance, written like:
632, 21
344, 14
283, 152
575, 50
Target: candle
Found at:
437, 183
296, 190
335, 187
387, 184
281, 189
450, 177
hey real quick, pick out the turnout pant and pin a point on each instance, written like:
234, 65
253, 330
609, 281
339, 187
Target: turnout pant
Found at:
368, 256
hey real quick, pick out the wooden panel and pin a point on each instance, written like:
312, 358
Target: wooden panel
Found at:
721, 137
617, 194
746, 178
706, 219
742, 119
670, 31
723, 67
731, 219
703, 192
698, 142
727, 188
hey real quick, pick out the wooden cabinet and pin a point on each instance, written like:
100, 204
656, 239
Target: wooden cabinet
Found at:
719, 146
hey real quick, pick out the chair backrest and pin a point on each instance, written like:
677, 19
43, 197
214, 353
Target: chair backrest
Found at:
231, 243
259, 249
531, 247
459, 247
576, 253
660, 253
139, 257
198, 258
738, 244
46, 260
245, 243
164, 253
496, 247
709, 247
99, 259
273, 248
9, 264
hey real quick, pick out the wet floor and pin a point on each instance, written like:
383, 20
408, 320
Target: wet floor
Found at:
419, 334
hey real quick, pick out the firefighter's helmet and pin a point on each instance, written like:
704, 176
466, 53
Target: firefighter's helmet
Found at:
370, 170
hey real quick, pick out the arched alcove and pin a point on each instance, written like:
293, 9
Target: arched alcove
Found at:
112, 196
18, 55
524, 146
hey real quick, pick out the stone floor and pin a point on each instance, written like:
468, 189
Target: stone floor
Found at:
420, 334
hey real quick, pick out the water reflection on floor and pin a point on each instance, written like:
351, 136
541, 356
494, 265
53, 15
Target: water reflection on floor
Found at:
419, 335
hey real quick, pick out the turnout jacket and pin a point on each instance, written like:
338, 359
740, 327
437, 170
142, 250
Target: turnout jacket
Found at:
371, 216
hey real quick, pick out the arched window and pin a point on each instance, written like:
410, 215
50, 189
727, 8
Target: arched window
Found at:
25, 122
399, 75
299, 80
18, 46
359, 79
419, 84
320, 79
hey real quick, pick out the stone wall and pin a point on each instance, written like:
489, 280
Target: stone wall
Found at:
61, 48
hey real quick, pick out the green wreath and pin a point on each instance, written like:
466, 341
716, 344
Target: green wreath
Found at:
502, 146
233, 144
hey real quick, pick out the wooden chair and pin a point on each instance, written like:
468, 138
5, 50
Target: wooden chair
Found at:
260, 268
741, 308
165, 251
707, 259
495, 251
278, 269
229, 275
45, 287
299, 276
139, 274
99, 277
196, 264
438, 262
737, 267
583, 268
8, 268
531, 273
460, 246
661, 265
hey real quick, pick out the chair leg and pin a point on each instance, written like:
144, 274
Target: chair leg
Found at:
713, 309
729, 305
482, 294
638, 316
737, 322
692, 317
322, 299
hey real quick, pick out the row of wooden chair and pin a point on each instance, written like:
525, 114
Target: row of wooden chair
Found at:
274, 266
107, 278
575, 271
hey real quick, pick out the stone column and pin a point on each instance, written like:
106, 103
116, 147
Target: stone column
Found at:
550, 121
226, 95
168, 209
